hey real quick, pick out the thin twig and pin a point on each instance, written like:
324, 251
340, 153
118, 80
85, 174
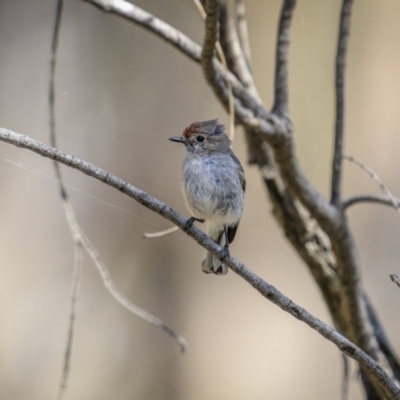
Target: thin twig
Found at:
221, 55
65, 201
133, 308
370, 199
345, 382
344, 32
76, 284
395, 279
242, 31
79, 238
282, 57
149, 235
266, 290
390, 197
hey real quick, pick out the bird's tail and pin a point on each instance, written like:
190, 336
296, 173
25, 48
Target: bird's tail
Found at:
210, 263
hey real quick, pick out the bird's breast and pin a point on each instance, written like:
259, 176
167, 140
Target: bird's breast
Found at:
212, 189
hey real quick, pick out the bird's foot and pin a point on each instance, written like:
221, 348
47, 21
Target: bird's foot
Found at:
190, 221
225, 252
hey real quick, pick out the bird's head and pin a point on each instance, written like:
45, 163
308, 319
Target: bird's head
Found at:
204, 138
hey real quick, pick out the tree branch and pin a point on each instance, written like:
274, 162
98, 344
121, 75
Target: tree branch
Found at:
255, 120
336, 268
375, 177
242, 31
370, 199
234, 53
76, 284
344, 32
282, 56
266, 290
150, 22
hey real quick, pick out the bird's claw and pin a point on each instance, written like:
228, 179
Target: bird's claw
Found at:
190, 221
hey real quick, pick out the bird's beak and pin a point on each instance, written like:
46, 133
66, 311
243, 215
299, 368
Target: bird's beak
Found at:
178, 139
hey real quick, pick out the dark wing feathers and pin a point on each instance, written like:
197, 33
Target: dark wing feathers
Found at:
232, 229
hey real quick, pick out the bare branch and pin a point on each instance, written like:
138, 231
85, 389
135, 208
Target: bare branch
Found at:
79, 238
133, 308
162, 29
242, 31
148, 235
344, 32
345, 382
395, 279
53, 65
243, 112
370, 199
76, 284
266, 290
282, 57
395, 203
211, 8
65, 201
234, 54
221, 55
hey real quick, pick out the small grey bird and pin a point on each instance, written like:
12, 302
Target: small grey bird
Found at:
213, 185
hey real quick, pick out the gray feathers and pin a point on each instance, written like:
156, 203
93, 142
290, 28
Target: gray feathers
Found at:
213, 184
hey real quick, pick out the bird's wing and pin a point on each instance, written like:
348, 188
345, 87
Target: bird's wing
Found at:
232, 229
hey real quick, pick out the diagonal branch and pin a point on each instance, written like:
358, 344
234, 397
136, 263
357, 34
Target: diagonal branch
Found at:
282, 57
266, 290
146, 20
344, 32
246, 114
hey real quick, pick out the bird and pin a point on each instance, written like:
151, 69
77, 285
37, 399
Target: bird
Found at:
213, 185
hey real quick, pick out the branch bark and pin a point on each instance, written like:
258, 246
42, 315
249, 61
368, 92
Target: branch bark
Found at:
266, 290
344, 32
366, 198
282, 57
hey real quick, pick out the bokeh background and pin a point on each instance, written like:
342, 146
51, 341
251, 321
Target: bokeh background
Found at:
121, 92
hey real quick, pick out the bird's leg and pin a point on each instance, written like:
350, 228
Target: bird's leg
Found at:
226, 245
190, 221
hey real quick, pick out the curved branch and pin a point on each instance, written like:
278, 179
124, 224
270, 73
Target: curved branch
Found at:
389, 195
369, 199
282, 57
344, 32
253, 117
266, 290
159, 27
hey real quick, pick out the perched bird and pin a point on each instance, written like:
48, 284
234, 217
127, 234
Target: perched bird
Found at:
213, 185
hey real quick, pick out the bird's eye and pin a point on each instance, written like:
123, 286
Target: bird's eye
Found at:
200, 139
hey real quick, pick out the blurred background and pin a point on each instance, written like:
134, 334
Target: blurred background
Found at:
121, 92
